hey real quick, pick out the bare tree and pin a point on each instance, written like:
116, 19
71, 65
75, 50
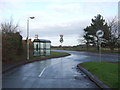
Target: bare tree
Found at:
113, 37
11, 41
9, 27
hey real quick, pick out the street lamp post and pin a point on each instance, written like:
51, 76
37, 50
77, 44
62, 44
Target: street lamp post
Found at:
28, 36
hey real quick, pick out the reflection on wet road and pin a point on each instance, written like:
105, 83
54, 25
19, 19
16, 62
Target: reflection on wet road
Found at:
52, 73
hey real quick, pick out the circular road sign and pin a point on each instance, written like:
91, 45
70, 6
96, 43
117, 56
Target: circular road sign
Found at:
61, 40
61, 36
100, 33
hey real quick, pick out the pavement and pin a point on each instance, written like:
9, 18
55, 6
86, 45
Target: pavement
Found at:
54, 73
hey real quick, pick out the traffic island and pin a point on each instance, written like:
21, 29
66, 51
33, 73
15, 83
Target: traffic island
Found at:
101, 73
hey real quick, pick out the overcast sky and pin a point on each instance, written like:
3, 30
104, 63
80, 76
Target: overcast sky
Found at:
55, 17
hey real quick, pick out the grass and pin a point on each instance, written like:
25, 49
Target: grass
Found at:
58, 53
92, 49
22, 58
105, 71
53, 55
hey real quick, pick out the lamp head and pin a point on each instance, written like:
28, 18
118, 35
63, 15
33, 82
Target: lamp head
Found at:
32, 17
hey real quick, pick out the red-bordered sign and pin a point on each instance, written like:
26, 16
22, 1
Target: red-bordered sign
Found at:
61, 36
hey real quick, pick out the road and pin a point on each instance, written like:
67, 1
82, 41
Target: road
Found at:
54, 73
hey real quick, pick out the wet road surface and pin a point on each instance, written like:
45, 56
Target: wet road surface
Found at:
54, 73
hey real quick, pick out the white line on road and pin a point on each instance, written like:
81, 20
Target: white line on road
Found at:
41, 72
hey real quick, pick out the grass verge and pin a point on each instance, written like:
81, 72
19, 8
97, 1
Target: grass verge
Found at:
105, 71
53, 55
94, 50
22, 59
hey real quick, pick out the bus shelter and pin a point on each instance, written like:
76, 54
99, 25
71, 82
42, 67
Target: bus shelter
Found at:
41, 47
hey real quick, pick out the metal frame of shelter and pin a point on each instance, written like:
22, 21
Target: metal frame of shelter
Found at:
41, 47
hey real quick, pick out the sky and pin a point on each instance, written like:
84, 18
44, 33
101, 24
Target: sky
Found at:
56, 17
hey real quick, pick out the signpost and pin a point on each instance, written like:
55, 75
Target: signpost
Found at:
36, 36
99, 34
61, 39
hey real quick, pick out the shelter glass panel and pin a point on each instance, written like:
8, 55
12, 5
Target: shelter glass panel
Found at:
41, 52
48, 45
41, 45
47, 52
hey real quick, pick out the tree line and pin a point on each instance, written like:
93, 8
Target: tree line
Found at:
110, 37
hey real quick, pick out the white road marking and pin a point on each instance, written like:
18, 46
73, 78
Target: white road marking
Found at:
41, 72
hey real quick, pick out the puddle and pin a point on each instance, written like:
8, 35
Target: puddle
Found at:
77, 77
